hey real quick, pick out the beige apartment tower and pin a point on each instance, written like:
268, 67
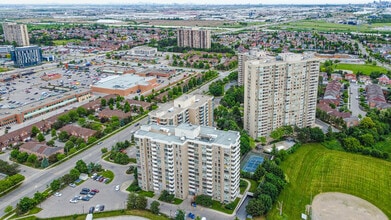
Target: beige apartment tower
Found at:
188, 160
16, 32
194, 38
252, 54
280, 91
193, 109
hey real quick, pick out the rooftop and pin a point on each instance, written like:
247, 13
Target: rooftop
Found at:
187, 132
122, 82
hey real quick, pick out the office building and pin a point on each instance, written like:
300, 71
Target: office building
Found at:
195, 109
252, 54
280, 91
26, 56
16, 33
194, 38
189, 160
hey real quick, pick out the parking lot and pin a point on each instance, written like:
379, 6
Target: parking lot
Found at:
61, 206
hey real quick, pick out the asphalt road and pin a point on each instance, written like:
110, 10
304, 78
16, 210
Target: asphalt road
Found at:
39, 180
354, 103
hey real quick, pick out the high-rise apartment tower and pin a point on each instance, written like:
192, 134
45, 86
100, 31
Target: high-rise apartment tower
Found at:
194, 38
16, 32
189, 160
280, 91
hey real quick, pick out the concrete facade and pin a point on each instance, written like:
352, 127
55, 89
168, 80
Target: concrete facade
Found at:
280, 91
188, 160
196, 109
16, 32
194, 38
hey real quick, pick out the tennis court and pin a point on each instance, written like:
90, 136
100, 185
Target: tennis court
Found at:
252, 163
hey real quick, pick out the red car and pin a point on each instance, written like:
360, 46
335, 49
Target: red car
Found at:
95, 190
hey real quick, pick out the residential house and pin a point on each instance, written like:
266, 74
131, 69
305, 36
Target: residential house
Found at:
78, 131
40, 150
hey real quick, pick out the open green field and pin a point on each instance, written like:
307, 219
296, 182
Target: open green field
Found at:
64, 42
312, 25
313, 169
364, 68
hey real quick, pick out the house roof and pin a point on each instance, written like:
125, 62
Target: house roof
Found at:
40, 148
71, 129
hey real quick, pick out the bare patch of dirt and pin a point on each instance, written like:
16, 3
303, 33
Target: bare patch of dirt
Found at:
333, 205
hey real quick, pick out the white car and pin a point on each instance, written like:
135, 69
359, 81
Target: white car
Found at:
57, 194
74, 200
97, 207
117, 188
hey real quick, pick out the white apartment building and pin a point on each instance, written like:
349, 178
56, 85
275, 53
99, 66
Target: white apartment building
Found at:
188, 160
280, 91
252, 54
16, 32
193, 109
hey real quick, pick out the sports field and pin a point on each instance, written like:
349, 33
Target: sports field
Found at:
364, 68
313, 169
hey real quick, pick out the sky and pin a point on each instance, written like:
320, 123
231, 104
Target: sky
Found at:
184, 1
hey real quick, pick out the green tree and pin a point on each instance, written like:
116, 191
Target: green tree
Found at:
141, 202
63, 136
40, 137
55, 185
103, 102
131, 203
44, 163
255, 207
22, 157
8, 209
81, 166
180, 215
74, 174
38, 197
155, 207
24, 205
32, 158
34, 131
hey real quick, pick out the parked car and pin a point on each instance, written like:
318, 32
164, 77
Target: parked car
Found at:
117, 188
72, 185
85, 189
91, 210
83, 192
57, 194
85, 198
74, 200
95, 190
97, 208
102, 208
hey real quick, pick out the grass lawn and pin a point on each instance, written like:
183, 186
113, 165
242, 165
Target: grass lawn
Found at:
216, 205
384, 145
142, 213
64, 42
313, 169
177, 201
3, 69
149, 194
254, 185
107, 174
243, 186
364, 68
320, 26
132, 160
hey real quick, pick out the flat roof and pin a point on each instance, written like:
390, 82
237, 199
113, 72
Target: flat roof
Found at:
122, 82
204, 134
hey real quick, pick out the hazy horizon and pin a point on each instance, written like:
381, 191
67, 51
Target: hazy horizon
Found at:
198, 2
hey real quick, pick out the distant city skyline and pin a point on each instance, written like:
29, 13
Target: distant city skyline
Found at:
221, 2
